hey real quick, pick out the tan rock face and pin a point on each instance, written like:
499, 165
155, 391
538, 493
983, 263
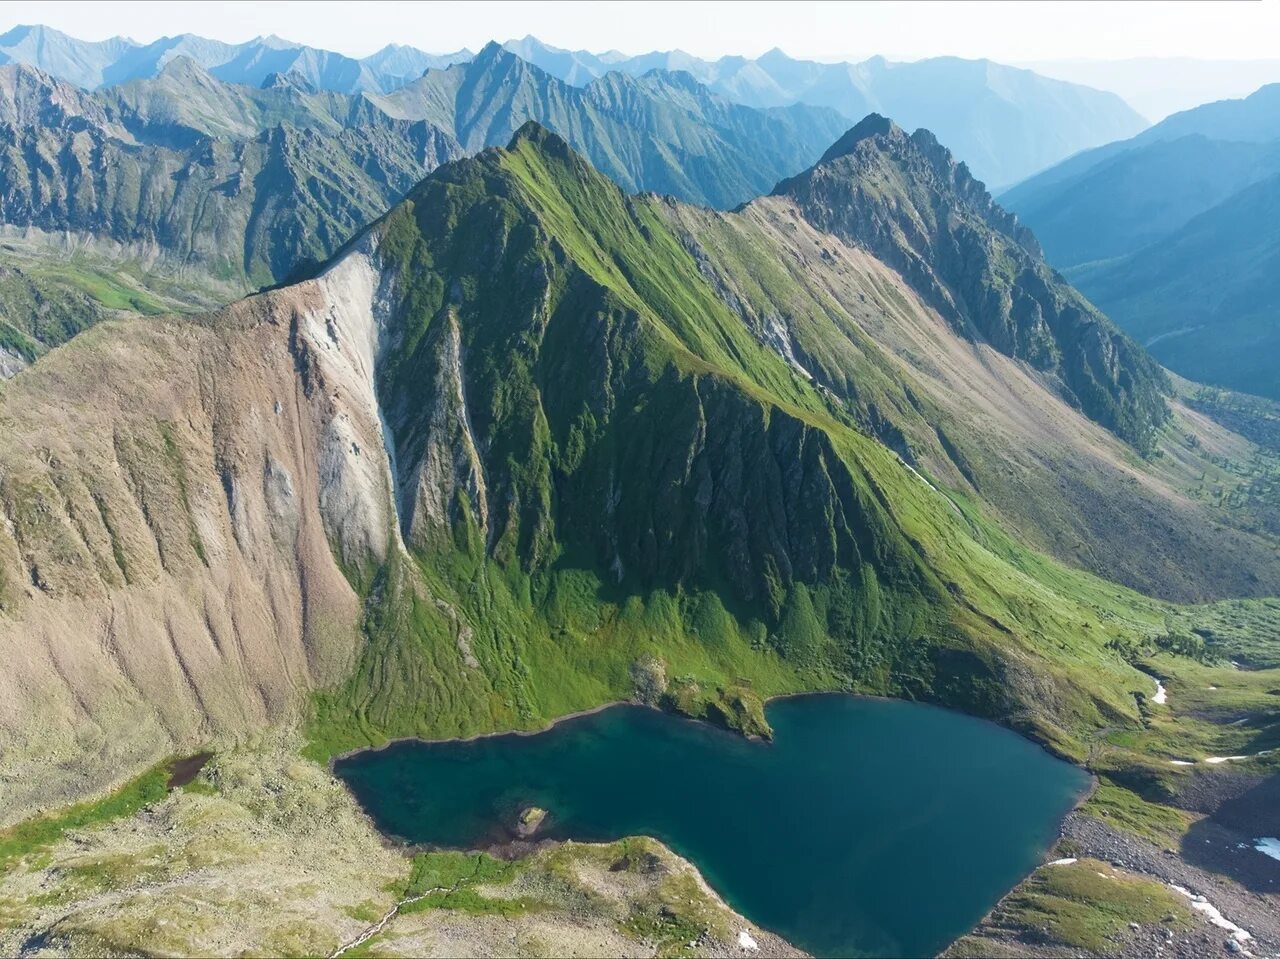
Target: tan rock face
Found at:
172, 496
450, 465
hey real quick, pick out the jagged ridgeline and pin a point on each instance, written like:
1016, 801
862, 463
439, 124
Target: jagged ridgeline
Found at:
510, 455
904, 199
183, 190
244, 184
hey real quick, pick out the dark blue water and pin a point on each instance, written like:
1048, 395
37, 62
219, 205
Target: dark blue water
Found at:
868, 827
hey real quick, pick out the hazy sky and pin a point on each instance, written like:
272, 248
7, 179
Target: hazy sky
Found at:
1008, 31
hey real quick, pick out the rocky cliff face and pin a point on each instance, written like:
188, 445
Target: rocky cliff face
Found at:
176, 498
905, 200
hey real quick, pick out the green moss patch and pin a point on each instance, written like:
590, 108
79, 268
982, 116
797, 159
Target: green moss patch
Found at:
1089, 905
31, 836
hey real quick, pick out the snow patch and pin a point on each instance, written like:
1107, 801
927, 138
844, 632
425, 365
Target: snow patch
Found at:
1268, 846
1062, 862
777, 334
1162, 694
746, 942
1202, 905
1214, 760
1181, 762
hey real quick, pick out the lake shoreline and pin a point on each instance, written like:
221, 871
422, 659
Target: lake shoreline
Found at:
777, 697
578, 714
480, 828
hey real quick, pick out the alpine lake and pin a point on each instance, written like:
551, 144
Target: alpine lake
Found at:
868, 827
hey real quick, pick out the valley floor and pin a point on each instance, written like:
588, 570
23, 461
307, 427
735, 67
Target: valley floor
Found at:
265, 852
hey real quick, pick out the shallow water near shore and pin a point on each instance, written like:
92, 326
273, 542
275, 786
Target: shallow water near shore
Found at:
868, 827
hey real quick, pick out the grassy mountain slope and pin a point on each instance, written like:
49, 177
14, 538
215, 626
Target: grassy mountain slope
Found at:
984, 425
45, 301
511, 455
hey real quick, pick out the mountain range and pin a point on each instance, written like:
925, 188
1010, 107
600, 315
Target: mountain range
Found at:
1005, 122
1170, 233
525, 379
91, 64
528, 443
199, 190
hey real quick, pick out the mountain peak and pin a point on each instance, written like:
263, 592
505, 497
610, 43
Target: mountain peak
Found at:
904, 198
288, 80
872, 125
24, 30
493, 50
536, 135
182, 66
275, 42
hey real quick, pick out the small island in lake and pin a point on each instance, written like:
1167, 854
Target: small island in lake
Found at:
531, 818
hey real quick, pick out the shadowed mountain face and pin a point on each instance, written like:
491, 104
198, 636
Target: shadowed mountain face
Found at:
231, 184
1123, 196
1206, 297
1172, 234
527, 435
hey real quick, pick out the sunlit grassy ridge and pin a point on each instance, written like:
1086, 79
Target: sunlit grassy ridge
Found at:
658, 484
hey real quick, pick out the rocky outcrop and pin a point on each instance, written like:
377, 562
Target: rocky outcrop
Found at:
904, 199
445, 482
